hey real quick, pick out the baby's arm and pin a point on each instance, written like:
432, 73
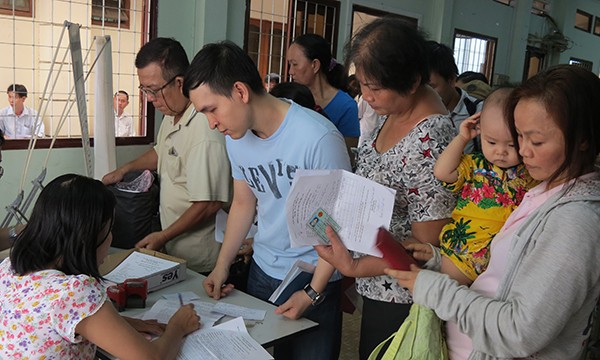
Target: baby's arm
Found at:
452, 270
425, 252
446, 166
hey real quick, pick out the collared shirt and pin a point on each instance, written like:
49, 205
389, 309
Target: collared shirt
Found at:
193, 166
461, 112
20, 126
124, 125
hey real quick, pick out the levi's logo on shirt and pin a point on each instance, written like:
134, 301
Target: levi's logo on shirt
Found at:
264, 177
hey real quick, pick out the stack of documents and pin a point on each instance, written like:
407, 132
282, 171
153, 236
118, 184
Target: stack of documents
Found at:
229, 340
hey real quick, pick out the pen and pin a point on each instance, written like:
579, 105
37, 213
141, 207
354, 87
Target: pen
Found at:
180, 299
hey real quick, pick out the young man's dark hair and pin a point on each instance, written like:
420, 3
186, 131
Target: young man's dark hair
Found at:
168, 53
18, 89
122, 92
441, 60
468, 76
219, 66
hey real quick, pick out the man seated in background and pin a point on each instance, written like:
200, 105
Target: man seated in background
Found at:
123, 121
18, 121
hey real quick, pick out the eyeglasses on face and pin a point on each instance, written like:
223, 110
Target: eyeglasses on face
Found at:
154, 93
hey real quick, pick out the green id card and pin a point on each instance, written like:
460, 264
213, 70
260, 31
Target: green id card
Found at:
319, 221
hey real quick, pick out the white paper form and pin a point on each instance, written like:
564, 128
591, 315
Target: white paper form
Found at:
138, 265
359, 205
163, 310
226, 341
186, 296
235, 311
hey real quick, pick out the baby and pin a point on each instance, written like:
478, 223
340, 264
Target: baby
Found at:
490, 185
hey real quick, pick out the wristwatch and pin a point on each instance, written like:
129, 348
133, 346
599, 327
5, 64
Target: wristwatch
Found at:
314, 296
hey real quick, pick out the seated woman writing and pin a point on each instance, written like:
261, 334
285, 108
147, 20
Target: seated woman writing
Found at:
52, 301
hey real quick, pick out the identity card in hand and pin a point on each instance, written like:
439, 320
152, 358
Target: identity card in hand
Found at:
319, 221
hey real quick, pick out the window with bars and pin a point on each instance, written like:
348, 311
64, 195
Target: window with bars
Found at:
113, 13
273, 24
30, 44
581, 63
474, 52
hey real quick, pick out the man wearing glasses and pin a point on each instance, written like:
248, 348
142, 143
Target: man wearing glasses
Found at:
191, 160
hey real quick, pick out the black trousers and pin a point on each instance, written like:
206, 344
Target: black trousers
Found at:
379, 320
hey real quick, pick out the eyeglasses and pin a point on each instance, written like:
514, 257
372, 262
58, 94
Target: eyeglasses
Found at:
154, 93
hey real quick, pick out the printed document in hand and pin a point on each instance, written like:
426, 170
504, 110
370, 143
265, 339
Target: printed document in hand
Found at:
358, 205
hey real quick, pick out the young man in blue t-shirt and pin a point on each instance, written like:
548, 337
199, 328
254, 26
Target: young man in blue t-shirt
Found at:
268, 139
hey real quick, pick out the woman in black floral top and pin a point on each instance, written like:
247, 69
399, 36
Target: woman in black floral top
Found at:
413, 130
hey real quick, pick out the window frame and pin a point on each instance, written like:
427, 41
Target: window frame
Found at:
590, 18
504, 2
381, 13
126, 6
75, 142
490, 57
26, 11
596, 26
290, 29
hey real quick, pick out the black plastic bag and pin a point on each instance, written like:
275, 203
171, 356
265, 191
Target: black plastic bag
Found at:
136, 214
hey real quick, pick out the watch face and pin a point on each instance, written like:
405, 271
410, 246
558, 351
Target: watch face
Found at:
318, 299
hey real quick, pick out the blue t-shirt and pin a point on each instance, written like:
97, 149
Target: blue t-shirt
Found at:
304, 140
343, 112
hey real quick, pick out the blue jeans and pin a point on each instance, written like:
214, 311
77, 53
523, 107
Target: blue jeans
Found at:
321, 343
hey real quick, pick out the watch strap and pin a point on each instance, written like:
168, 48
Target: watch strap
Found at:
314, 296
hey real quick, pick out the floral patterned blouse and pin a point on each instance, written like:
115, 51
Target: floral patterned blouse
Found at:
39, 313
408, 168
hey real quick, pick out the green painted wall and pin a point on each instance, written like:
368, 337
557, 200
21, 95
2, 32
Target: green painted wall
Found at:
197, 22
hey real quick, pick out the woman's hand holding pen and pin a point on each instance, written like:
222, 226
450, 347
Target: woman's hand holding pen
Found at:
186, 320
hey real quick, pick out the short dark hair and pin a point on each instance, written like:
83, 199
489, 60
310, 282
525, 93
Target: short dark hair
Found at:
220, 65
2, 138
122, 92
571, 96
468, 76
168, 53
390, 52
18, 89
316, 47
441, 60
299, 93
64, 227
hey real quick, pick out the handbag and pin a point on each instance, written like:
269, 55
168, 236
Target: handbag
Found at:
420, 337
